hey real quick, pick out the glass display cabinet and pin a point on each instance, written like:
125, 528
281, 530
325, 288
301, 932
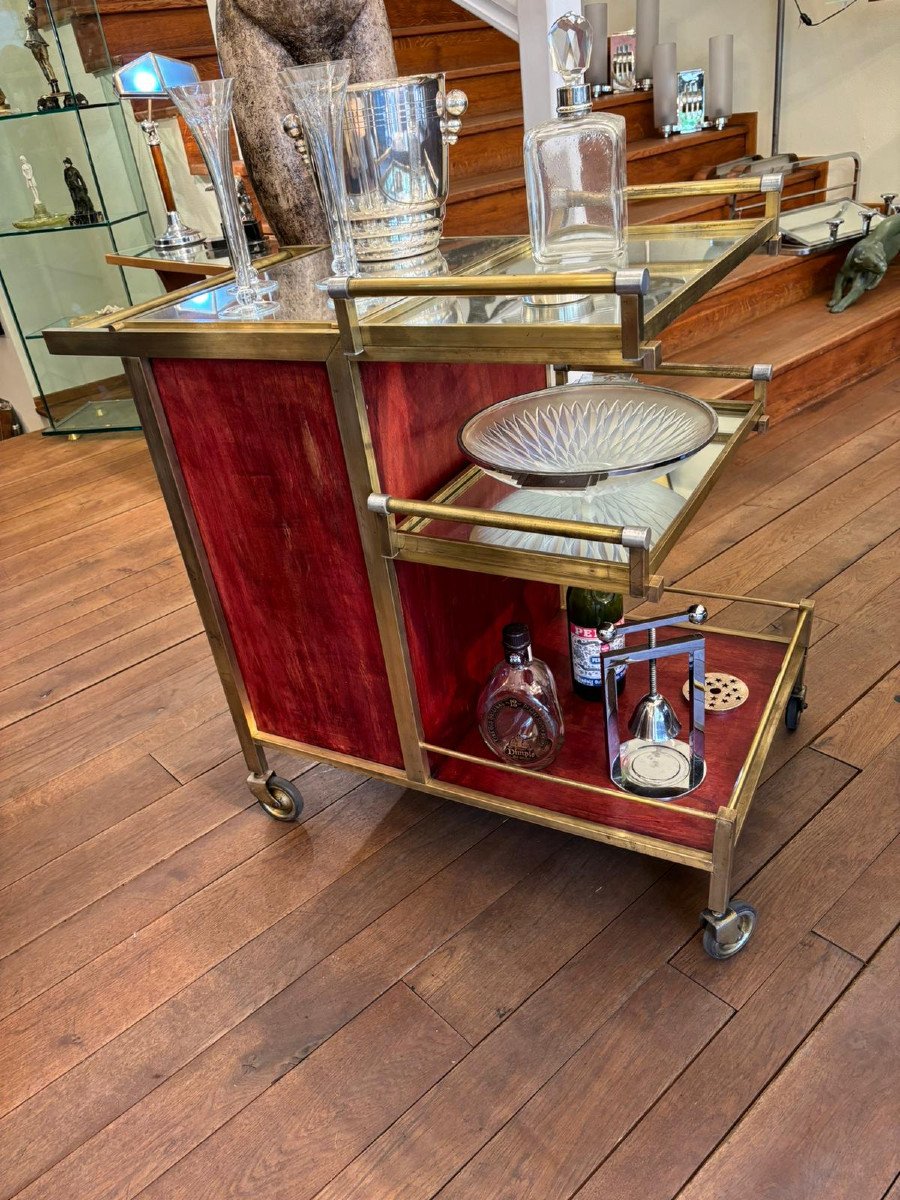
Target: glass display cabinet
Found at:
354, 570
62, 128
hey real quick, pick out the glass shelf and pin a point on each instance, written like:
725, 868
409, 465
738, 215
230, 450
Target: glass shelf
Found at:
110, 416
55, 112
75, 228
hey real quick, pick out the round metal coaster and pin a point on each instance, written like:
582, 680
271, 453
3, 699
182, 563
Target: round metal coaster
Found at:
723, 692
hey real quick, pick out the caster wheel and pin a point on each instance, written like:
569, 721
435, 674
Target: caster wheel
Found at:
793, 712
283, 802
728, 934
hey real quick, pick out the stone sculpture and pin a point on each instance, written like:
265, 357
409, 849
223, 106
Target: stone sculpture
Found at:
866, 264
256, 40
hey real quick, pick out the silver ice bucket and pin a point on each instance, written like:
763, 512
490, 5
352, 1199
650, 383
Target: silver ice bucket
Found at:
396, 138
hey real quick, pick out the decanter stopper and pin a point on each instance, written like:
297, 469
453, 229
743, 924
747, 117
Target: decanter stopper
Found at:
570, 40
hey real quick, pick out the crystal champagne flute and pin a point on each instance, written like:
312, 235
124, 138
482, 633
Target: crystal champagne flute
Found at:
317, 93
206, 108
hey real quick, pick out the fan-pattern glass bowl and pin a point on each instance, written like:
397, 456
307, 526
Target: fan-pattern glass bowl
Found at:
587, 434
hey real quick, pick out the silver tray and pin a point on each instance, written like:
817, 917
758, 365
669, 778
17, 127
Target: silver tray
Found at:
587, 434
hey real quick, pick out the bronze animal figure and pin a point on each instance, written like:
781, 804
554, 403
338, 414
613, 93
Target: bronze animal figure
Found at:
256, 40
866, 264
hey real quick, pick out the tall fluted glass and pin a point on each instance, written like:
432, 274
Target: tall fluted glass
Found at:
206, 108
316, 94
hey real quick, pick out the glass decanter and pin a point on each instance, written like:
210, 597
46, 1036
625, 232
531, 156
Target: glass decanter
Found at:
575, 165
206, 108
317, 94
519, 715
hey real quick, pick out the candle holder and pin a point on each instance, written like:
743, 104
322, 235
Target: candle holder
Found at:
206, 108
317, 94
147, 78
622, 47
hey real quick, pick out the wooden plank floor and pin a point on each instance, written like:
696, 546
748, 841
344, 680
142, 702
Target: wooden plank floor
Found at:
402, 998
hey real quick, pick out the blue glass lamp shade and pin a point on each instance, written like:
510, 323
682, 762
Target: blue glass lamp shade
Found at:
152, 75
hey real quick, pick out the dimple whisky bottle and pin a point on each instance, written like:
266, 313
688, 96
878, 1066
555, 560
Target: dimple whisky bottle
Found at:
575, 165
518, 710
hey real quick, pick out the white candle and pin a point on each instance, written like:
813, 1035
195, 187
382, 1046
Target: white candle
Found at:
720, 82
598, 68
647, 31
665, 86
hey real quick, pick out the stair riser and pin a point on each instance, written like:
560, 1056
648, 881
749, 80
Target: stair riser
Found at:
403, 13
734, 307
637, 111
486, 151
797, 387
477, 47
500, 212
682, 159
492, 92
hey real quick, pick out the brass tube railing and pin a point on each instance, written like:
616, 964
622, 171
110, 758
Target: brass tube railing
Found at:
636, 538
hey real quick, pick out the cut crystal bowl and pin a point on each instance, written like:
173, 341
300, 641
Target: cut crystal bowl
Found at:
587, 434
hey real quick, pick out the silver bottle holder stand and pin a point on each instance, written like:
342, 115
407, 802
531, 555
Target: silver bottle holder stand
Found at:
641, 767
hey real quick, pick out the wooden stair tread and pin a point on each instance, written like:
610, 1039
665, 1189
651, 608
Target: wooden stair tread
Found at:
457, 73
485, 185
481, 122
796, 334
813, 351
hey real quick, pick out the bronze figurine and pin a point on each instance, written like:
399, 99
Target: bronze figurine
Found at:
40, 52
85, 213
866, 264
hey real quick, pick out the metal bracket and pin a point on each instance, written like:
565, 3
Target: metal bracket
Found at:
726, 926
258, 785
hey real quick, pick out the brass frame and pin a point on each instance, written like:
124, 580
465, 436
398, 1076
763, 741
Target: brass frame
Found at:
341, 346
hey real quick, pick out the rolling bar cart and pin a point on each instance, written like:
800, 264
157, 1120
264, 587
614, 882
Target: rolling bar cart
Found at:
335, 535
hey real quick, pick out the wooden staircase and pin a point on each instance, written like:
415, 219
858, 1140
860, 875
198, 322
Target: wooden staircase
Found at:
487, 191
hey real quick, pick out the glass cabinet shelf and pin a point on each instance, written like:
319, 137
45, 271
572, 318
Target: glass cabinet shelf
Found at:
75, 228
57, 112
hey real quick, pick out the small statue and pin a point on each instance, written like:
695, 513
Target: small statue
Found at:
40, 218
85, 213
40, 52
244, 204
4, 104
866, 264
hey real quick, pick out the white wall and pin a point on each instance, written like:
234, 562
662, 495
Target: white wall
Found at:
841, 81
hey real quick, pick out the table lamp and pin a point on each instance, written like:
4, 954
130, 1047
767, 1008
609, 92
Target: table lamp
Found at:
149, 78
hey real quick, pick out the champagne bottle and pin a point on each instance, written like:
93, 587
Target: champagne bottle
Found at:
587, 610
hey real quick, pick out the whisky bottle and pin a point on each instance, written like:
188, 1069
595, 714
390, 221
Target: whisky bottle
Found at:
587, 610
518, 710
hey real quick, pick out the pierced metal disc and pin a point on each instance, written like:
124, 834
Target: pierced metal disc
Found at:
723, 692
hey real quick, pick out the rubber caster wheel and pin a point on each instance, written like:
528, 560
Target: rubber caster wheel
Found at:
728, 933
793, 712
277, 796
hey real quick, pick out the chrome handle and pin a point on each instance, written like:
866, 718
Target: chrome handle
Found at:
452, 106
889, 207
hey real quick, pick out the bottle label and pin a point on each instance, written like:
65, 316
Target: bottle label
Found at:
586, 651
517, 730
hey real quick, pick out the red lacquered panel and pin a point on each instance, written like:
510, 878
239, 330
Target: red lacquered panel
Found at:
416, 409
453, 624
262, 460
728, 738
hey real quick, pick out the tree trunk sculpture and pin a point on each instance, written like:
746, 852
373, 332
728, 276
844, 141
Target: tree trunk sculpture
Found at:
256, 40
